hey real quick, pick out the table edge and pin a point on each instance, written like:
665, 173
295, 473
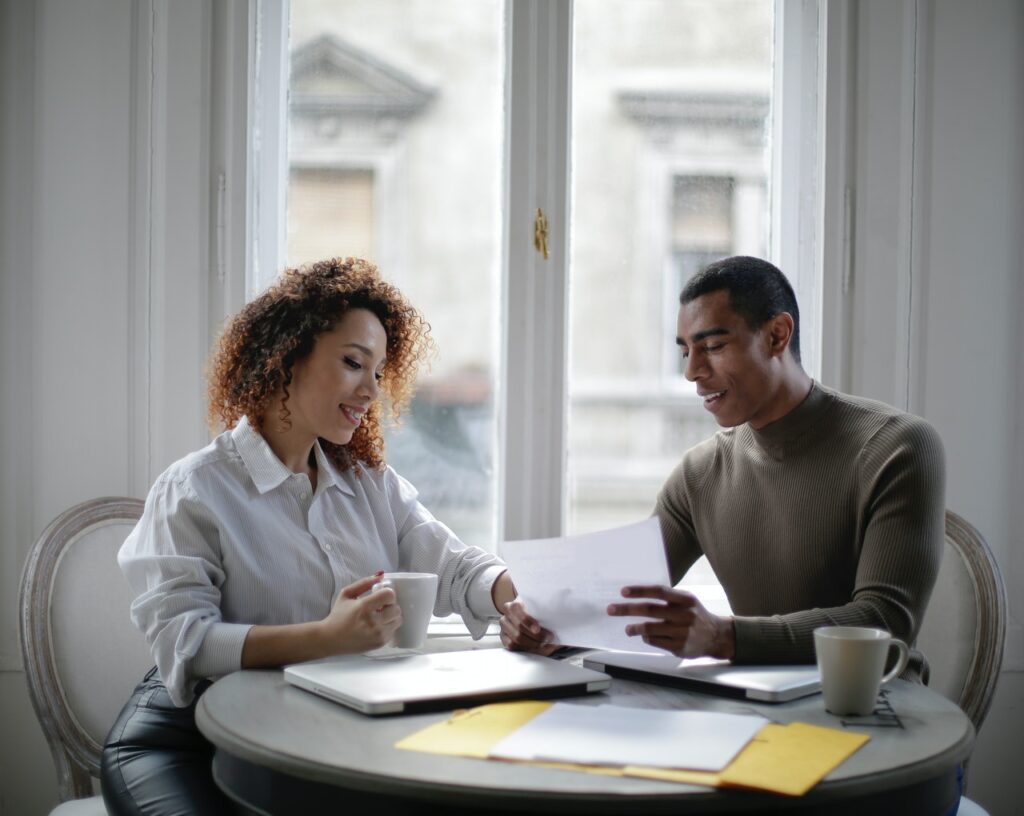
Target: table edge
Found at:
469, 794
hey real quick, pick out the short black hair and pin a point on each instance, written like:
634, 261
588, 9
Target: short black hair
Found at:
757, 291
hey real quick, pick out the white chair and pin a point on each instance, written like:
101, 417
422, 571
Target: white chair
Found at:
964, 629
82, 655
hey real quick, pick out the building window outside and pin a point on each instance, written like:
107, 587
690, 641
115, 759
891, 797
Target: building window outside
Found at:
328, 208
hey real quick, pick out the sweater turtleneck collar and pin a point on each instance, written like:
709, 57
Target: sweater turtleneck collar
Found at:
779, 437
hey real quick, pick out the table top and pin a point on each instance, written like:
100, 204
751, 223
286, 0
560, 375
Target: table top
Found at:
257, 717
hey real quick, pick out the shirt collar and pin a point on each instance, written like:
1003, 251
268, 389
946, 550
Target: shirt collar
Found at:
779, 437
327, 473
268, 472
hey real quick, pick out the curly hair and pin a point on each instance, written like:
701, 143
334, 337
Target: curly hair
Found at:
258, 349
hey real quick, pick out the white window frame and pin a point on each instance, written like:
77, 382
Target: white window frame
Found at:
533, 391
795, 182
267, 140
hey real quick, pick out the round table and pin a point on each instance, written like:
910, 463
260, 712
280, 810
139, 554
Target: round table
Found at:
283, 750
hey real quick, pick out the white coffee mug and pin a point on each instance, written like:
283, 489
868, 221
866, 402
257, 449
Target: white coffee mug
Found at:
415, 593
851, 660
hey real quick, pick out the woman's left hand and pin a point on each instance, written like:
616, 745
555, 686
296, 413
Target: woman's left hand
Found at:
522, 633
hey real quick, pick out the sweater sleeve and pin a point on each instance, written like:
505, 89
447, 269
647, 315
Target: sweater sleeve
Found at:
682, 548
901, 509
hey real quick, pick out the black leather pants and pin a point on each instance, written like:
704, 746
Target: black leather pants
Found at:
156, 762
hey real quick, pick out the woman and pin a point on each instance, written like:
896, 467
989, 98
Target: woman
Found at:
259, 550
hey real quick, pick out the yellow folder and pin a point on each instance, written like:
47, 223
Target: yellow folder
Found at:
474, 731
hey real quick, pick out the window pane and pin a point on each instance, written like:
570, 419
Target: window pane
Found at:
670, 171
396, 155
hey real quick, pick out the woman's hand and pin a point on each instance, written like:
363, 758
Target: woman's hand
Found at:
681, 625
522, 633
352, 626
359, 624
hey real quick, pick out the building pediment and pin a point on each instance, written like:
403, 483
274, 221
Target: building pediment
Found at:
330, 76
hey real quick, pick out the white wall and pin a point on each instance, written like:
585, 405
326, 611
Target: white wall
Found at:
937, 175
106, 162
65, 87
104, 246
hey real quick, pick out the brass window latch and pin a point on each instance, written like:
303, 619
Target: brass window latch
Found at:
540, 233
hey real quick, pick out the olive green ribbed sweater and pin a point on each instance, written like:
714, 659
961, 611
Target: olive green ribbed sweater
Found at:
833, 514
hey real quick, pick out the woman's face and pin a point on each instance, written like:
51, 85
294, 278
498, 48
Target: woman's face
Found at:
332, 387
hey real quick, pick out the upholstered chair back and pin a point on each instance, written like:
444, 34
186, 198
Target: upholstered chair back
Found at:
965, 626
82, 655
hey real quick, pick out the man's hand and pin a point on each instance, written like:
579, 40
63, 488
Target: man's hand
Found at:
681, 625
522, 633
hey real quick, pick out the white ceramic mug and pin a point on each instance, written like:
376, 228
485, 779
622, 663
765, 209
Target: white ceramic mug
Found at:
415, 593
851, 660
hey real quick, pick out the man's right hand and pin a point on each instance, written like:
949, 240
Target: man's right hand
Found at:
359, 624
521, 633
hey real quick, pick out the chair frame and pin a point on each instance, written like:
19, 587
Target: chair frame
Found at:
76, 754
990, 605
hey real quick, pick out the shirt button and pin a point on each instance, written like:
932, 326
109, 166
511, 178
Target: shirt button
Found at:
327, 547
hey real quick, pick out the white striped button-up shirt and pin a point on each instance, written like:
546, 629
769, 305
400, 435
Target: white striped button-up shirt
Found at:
231, 538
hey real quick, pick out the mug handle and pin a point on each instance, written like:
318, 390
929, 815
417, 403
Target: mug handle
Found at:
901, 664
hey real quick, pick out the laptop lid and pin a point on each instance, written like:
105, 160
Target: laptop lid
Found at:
771, 684
390, 684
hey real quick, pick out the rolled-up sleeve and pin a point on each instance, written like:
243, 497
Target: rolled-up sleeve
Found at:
466, 574
173, 564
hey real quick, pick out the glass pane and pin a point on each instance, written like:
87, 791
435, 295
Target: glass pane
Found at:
670, 171
396, 154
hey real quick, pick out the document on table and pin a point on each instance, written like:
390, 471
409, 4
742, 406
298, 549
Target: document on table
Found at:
616, 735
567, 583
788, 759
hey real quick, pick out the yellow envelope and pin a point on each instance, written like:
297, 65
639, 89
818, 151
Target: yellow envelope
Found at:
787, 759
791, 759
473, 732
708, 778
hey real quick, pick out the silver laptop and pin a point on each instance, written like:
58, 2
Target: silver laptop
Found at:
771, 684
389, 684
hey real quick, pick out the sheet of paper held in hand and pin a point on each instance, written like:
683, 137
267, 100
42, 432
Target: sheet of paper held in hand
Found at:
567, 583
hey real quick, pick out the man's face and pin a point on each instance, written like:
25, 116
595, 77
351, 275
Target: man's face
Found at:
733, 366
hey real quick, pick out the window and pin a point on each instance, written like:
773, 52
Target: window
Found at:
432, 138
395, 154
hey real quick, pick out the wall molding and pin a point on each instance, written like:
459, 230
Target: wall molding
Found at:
18, 205
914, 151
838, 201
139, 465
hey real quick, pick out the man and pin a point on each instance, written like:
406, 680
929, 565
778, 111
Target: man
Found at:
813, 507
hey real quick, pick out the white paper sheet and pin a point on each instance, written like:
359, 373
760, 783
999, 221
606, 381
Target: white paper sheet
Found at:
567, 583
616, 735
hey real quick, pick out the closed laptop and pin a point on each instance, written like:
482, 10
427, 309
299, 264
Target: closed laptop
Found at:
771, 684
390, 684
